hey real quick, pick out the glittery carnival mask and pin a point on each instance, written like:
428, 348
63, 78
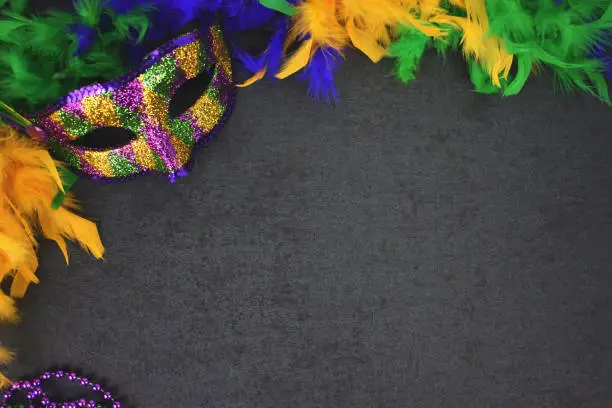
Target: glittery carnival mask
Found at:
139, 103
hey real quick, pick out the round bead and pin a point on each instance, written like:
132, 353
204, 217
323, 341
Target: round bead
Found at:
59, 374
44, 401
84, 381
107, 395
96, 387
82, 402
116, 404
72, 376
46, 375
27, 385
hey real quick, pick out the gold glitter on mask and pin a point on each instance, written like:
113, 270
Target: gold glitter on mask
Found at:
100, 110
188, 59
223, 58
55, 117
183, 152
99, 160
143, 154
156, 108
207, 112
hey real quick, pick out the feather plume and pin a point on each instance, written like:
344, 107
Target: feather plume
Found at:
29, 181
408, 51
43, 57
368, 22
561, 37
324, 28
269, 62
603, 51
477, 42
320, 74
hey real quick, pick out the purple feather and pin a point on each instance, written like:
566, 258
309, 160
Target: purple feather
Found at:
124, 6
85, 38
320, 74
235, 14
247, 17
272, 57
603, 51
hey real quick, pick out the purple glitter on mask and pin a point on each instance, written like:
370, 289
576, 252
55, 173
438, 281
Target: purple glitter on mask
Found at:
130, 96
127, 153
158, 141
74, 109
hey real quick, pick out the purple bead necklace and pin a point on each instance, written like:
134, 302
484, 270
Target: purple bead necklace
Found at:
33, 388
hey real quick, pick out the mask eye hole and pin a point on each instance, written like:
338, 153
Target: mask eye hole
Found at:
105, 138
189, 93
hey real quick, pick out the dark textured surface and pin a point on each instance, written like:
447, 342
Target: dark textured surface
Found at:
417, 246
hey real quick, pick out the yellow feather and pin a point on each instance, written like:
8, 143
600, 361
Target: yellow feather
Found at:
368, 22
13, 252
365, 42
477, 43
62, 224
256, 77
318, 18
5, 355
8, 311
4, 382
297, 61
369, 25
29, 180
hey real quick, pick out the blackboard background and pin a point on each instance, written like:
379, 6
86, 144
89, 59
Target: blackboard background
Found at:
416, 246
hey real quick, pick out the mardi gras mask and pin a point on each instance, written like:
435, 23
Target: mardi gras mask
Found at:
139, 103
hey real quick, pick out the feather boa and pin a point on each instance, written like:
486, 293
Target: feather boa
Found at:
571, 38
29, 181
323, 29
503, 41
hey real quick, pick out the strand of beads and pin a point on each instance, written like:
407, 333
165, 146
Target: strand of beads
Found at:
33, 390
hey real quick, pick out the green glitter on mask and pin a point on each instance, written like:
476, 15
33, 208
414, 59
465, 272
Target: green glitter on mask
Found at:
203, 60
214, 93
183, 130
130, 120
74, 125
65, 155
159, 163
160, 78
121, 166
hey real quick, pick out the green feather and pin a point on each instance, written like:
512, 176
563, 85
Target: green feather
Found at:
37, 52
408, 51
481, 79
68, 179
540, 32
